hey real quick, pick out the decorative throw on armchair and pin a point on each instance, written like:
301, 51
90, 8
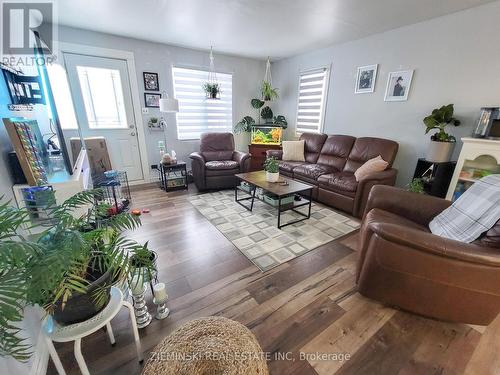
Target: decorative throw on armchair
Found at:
475, 212
215, 165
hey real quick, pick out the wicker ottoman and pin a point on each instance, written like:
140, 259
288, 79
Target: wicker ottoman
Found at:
207, 346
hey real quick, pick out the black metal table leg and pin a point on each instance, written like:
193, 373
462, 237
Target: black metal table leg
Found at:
251, 197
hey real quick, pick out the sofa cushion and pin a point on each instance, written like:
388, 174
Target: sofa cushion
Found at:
370, 167
313, 144
367, 148
288, 166
311, 171
293, 150
335, 151
221, 165
341, 182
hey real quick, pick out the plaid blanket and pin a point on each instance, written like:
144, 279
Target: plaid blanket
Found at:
475, 212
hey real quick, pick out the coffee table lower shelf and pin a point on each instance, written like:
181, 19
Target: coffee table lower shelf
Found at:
305, 201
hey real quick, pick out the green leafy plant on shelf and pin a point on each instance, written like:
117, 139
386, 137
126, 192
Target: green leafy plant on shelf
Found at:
268, 92
271, 165
63, 263
438, 120
416, 186
212, 90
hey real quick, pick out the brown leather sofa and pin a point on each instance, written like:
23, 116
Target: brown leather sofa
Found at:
330, 163
217, 162
402, 264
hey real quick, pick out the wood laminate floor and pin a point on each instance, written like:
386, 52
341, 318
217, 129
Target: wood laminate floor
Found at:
308, 305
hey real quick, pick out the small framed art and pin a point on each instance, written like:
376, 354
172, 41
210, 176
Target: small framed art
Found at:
365, 79
152, 100
398, 86
151, 81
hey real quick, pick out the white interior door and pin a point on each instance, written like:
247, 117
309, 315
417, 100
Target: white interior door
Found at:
101, 93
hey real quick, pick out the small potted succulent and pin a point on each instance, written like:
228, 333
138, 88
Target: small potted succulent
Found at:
442, 143
212, 90
271, 167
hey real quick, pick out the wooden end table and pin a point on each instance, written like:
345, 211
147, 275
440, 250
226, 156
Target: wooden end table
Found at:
285, 187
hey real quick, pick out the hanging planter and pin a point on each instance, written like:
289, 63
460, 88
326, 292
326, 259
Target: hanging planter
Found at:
267, 91
212, 90
212, 87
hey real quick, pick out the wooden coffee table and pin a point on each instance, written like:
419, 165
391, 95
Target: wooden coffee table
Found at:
285, 187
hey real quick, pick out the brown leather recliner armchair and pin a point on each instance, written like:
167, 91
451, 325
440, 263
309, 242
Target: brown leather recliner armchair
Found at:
217, 162
401, 263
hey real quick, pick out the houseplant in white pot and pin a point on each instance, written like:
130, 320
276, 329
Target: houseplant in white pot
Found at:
271, 167
442, 143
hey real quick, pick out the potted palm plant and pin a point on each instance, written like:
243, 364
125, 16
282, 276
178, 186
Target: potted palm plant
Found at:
442, 143
69, 269
271, 166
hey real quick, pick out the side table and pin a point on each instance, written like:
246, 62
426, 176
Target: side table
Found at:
174, 176
75, 332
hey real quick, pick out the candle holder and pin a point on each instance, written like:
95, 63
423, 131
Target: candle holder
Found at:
142, 315
162, 310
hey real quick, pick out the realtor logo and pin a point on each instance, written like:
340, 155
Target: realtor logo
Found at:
22, 22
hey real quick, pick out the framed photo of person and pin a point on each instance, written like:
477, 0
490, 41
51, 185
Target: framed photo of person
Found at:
151, 81
152, 100
365, 79
398, 86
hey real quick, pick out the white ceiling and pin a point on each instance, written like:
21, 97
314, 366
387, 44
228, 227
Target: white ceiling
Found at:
253, 28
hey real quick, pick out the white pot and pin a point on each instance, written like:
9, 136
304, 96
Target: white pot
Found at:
440, 152
272, 177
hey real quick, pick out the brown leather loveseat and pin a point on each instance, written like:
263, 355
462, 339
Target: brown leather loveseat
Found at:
330, 163
217, 162
401, 263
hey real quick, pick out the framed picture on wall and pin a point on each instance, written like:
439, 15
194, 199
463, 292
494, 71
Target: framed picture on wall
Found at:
398, 86
151, 81
365, 79
152, 100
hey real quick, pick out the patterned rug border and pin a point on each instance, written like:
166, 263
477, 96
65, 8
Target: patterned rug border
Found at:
260, 241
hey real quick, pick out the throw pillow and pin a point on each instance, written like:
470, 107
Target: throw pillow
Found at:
293, 150
371, 166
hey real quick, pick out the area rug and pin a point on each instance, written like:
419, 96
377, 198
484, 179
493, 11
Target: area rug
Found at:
256, 234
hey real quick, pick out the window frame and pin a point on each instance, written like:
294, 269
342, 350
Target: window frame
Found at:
204, 70
326, 86
88, 88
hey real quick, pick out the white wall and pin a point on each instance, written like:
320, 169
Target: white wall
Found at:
159, 58
456, 60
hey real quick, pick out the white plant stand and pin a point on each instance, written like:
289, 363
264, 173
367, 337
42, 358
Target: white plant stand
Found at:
75, 332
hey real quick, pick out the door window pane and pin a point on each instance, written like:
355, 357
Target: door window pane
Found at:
103, 97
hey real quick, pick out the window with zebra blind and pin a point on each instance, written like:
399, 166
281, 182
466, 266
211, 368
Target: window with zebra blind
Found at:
313, 90
197, 114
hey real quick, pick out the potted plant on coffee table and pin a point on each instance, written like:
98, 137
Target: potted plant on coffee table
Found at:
442, 143
68, 270
271, 166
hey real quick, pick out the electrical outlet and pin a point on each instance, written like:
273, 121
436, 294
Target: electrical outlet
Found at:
145, 111
154, 166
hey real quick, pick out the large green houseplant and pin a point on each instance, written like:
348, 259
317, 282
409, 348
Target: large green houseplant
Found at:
442, 143
69, 267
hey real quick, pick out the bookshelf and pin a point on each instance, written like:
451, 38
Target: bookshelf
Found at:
478, 158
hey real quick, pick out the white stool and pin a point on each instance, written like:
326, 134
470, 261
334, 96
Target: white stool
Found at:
75, 332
